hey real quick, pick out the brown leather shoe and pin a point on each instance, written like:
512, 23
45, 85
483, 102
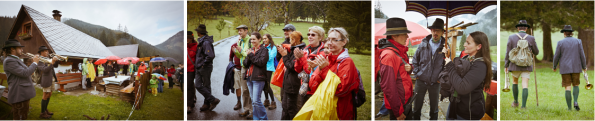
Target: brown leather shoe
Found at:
48, 112
214, 104
238, 106
515, 105
44, 115
266, 103
272, 106
245, 113
205, 107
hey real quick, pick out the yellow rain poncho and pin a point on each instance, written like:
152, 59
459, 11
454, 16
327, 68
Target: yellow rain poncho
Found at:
90, 71
323, 103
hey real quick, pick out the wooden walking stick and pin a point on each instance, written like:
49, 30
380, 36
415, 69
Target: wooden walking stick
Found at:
535, 77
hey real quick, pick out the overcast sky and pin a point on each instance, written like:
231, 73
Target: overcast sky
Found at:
152, 21
397, 9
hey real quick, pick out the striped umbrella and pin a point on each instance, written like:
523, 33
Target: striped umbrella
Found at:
448, 9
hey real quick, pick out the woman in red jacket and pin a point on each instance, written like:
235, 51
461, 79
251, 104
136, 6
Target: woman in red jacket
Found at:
170, 72
191, 47
339, 62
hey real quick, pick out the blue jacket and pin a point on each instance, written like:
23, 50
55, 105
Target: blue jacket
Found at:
228, 80
570, 55
272, 54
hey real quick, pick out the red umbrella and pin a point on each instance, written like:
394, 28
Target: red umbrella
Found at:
133, 59
113, 58
100, 61
122, 62
418, 32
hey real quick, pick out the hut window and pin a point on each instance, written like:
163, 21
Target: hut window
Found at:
27, 28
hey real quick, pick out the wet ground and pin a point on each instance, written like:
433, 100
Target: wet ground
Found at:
224, 111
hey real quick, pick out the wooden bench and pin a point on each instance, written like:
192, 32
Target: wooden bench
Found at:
64, 79
4, 94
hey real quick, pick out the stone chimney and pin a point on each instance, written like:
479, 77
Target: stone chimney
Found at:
57, 15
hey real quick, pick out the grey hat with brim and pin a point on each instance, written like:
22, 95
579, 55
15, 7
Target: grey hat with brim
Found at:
523, 23
396, 26
12, 43
567, 28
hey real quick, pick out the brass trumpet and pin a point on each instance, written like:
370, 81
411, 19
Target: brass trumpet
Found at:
589, 86
41, 58
60, 58
506, 83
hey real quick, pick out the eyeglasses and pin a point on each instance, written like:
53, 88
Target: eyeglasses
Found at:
333, 40
313, 35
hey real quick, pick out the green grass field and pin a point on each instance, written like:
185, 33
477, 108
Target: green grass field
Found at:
212, 29
552, 103
165, 106
274, 29
362, 62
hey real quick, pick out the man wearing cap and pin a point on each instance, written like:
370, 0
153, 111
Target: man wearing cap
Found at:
19, 79
241, 51
428, 68
287, 30
191, 48
393, 68
46, 81
569, 53
516, 70
204, 65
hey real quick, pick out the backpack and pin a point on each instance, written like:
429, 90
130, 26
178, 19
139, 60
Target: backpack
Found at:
408, 107
521, 55
359, 95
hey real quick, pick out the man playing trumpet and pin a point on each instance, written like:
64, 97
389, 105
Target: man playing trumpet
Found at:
47, 81
19, 79
569, 53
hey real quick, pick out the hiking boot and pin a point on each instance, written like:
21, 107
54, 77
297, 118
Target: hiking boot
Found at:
44, 115
576, 106
249, 117
238, 106
205, 107
245, 113
214, 104
273, 105
48, 112
514, 105
266, 103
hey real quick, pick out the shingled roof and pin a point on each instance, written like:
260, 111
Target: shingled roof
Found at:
66, 40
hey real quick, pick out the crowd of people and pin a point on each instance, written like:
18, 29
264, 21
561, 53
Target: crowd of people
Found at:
23, 74
255, 58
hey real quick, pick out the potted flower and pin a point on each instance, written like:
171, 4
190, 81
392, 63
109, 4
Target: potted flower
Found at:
24, 36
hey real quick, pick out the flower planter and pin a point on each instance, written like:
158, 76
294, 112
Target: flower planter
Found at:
25, 37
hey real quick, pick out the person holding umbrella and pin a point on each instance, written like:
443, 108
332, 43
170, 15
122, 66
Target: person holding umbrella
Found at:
519, 70
569, 53
393, 69
204, 65
428, 68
